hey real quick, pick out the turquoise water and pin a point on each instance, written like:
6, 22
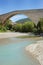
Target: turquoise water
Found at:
12, 52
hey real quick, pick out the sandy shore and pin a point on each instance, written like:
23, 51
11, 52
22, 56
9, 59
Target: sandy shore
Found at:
36, 50
11, 34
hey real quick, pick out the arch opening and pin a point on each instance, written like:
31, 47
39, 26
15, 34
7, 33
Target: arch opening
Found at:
18, 17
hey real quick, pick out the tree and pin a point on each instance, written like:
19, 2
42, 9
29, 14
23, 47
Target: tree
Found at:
25, 27
2, 28
40, 26
8, 24
18, 27
0, 23
28, 26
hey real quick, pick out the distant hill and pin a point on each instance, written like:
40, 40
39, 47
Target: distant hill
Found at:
23, 20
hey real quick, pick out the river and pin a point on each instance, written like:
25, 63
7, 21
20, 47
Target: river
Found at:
12, 52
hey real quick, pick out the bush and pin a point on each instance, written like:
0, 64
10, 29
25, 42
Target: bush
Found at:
25, 27
40, 26
8, 24
18, 28
28, 27
9, 27
3, 29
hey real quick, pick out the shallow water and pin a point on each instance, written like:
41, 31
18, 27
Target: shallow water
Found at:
12, 52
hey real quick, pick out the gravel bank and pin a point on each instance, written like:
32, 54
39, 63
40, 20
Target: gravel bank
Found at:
36, 50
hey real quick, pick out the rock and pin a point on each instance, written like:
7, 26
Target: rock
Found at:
36, 50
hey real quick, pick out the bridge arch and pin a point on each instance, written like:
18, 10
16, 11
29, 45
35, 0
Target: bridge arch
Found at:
34, 15
12, 15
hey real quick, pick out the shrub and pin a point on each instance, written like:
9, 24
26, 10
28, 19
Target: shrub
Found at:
18, 27
28, 27
3, 29
25, 27
9, 27
40, 26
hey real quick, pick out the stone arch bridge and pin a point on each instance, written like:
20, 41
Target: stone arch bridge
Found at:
34, 15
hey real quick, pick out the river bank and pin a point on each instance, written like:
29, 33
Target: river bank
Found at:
18, 35
11, 34
36, 50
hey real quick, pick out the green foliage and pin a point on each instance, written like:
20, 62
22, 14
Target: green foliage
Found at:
35, 30
0, 23
2, 28
25, 27
28, 26
40, 26
18, 27
9, 27
8, 24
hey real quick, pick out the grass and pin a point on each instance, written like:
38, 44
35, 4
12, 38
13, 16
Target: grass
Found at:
3, 31
28, 37
31, 37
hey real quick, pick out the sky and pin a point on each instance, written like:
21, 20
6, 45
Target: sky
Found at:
13, 5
